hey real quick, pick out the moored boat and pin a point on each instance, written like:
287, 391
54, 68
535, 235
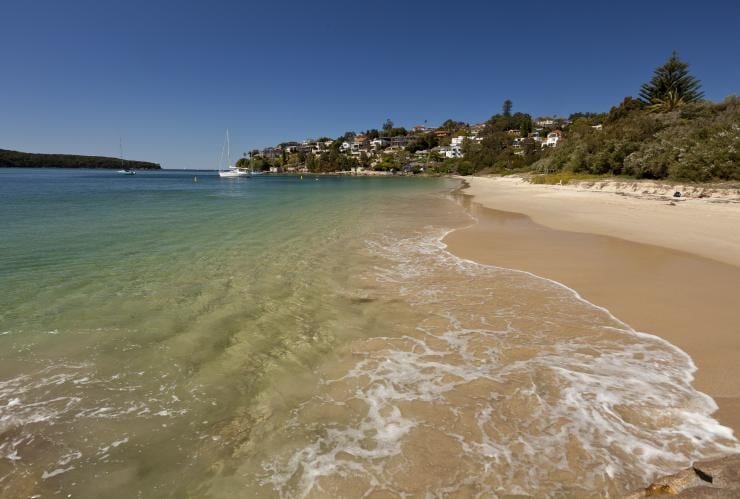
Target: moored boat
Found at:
231, 171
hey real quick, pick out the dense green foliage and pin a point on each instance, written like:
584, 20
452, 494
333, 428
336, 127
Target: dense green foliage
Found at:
16, 159
670, 132
698, 142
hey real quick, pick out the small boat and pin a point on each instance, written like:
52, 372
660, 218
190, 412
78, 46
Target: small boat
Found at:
231, 171
123, 170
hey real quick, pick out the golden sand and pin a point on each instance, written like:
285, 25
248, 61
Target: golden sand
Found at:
688, 299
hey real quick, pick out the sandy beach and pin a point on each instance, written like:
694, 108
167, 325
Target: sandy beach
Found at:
668, 269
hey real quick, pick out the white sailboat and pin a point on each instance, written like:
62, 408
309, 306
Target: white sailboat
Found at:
123, 170
232, 171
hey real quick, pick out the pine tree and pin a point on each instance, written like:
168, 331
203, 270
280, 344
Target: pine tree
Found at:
506, 108
671, 86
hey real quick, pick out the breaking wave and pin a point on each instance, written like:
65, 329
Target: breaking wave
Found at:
509, 384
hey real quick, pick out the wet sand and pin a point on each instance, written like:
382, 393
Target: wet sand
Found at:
690, 300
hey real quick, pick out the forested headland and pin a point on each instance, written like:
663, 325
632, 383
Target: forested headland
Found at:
17, 159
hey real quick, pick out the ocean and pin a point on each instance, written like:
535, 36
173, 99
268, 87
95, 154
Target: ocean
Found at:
175, 334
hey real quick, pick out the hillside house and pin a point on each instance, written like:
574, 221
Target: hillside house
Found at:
361, 144
457, 141
553, 138
544, 122
401, 141
380, 143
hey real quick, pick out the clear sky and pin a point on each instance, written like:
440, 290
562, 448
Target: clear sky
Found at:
169, 76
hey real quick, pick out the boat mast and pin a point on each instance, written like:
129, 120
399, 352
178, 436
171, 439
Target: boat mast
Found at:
228, 149
120, 150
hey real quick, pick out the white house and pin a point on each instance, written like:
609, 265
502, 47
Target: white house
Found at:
553, 138
457, 141
544, 122
360, 145
451, 152
380, 142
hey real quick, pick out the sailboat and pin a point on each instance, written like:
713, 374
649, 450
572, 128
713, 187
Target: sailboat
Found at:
232, 170
124, 170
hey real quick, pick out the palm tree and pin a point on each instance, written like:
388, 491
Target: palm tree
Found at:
670, 102
671, 86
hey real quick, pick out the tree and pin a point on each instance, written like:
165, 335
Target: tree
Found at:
525, 126
628, 105
507, 108
451, 125
387, 125
671, 86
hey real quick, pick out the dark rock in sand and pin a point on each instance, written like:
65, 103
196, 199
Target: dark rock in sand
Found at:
714, 478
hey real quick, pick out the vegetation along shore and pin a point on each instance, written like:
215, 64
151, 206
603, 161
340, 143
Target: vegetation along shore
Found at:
17, 159
667, 132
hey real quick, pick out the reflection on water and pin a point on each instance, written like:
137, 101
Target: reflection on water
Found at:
278, 338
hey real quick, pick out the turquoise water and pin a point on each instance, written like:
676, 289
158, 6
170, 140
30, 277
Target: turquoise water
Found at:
155, 294
278, 337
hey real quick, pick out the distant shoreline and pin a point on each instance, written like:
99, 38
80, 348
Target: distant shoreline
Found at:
18, 159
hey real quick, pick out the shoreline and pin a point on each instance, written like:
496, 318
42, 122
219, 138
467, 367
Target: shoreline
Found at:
705, 227
673, 287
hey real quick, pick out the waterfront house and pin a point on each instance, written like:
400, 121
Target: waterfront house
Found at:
450, 151
360, 144
271, 152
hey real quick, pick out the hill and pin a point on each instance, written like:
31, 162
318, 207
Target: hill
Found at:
17, 159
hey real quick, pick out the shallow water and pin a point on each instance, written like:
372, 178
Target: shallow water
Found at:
277, 337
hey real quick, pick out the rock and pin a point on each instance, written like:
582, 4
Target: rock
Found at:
713, 478
723, 472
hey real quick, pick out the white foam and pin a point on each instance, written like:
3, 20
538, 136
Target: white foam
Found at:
50, 474
119, 442
592, 379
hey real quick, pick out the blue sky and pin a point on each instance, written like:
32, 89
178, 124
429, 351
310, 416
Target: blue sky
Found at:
168, 77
